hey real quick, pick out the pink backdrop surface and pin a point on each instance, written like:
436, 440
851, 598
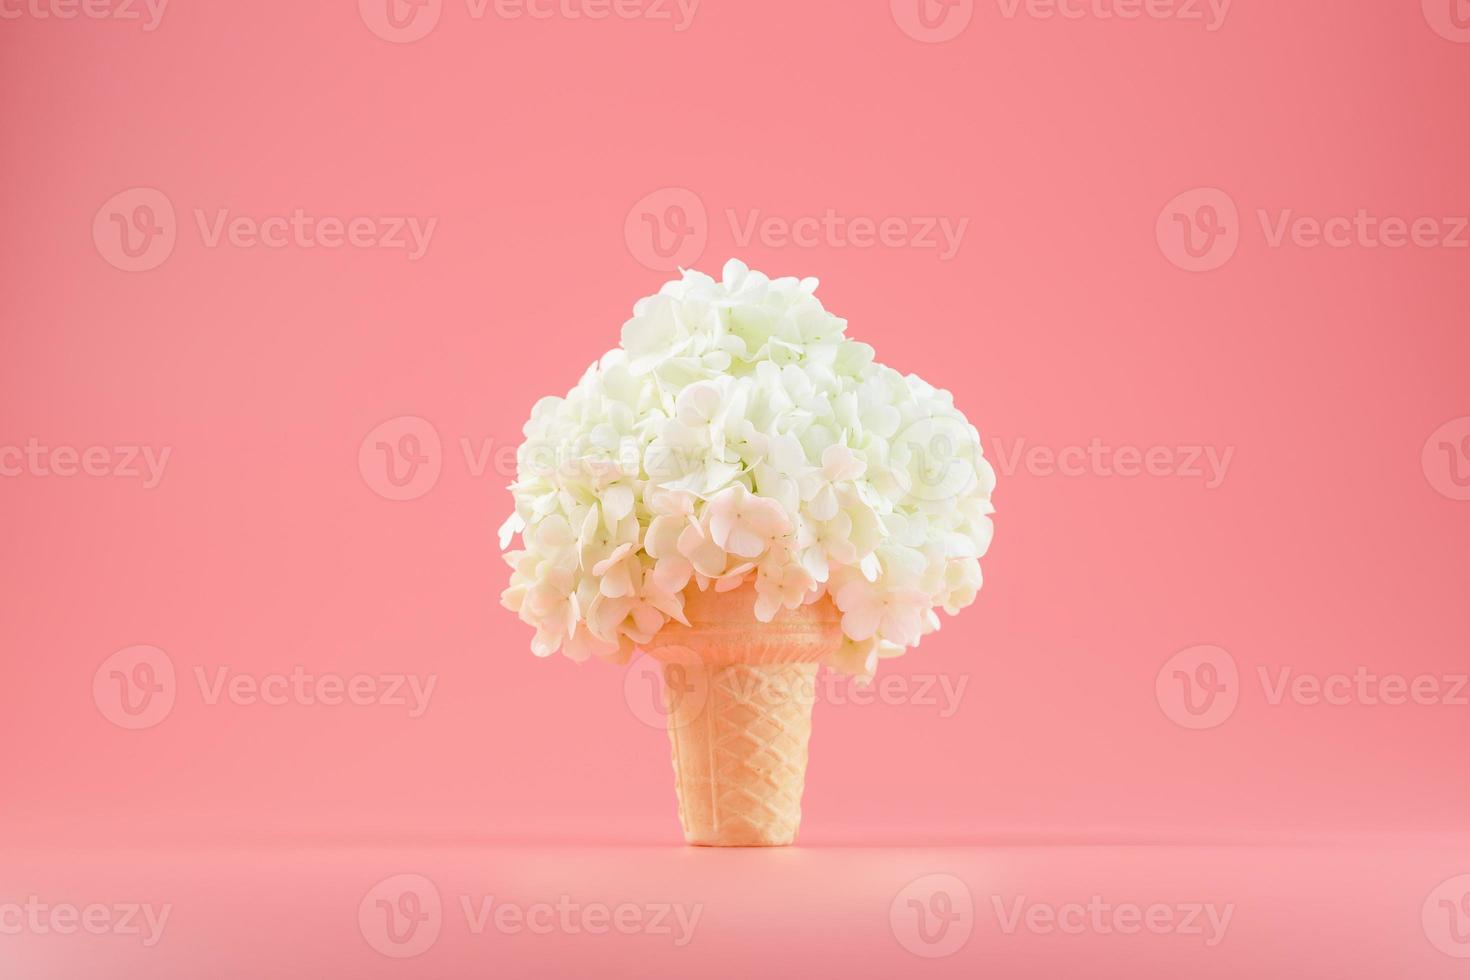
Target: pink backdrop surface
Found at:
1196, 270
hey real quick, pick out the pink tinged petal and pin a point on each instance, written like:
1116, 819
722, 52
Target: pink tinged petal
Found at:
668, 604
814, 560
624, 652
634, 638
767, 517
724, 512
729, 583
662, 538
798, 582
543, 600
617, 583
573, 613
584, 645
734, 578
620, 552
698, 404
842, 552
661, 502
683, 504
744, 542
706, 556
671, 575
841, 463
691, 539
861, 621
852, 657
807, 533
852, 594
790, 595
900, 625
766, 607
709, 560
605, 615
647, 619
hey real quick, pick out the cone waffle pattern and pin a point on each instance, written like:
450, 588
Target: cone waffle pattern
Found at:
740, 755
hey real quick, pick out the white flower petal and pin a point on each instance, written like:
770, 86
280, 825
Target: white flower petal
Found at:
736, 423
513, 525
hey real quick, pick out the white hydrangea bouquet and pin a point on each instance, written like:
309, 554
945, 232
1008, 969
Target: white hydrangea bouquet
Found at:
741, 492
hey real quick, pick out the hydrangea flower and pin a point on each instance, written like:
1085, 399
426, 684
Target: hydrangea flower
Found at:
738, 436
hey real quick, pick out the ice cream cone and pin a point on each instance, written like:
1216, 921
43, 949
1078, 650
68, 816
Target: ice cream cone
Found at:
739, 694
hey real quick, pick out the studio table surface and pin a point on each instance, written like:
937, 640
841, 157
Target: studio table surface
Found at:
1001, 908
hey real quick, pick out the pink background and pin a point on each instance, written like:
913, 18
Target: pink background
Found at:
1335, 540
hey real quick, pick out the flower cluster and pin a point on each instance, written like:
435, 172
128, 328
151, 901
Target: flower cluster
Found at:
737, 436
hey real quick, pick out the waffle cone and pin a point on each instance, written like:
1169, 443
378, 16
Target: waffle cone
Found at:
738, 698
